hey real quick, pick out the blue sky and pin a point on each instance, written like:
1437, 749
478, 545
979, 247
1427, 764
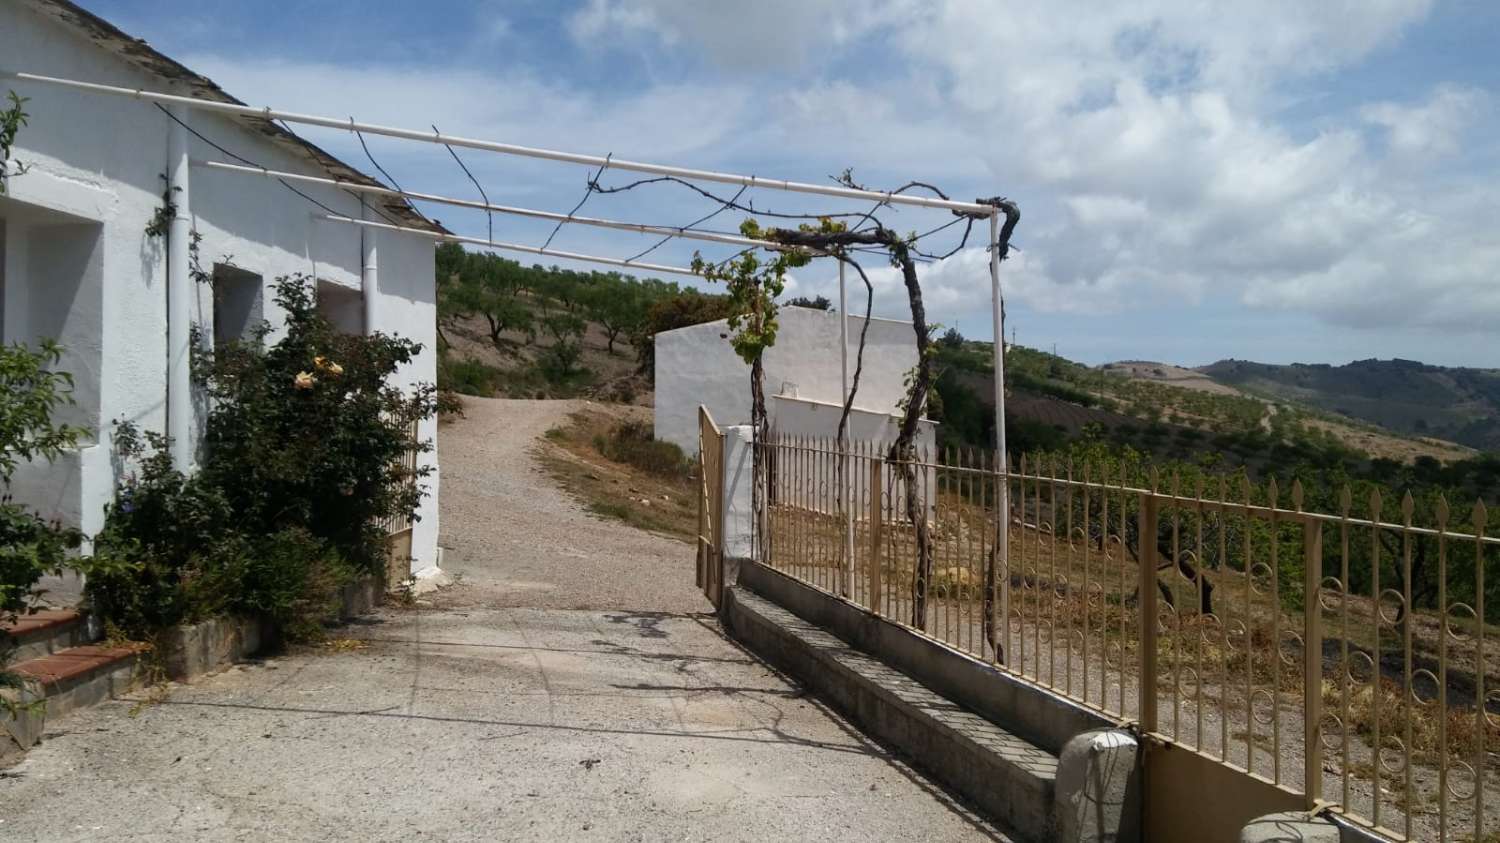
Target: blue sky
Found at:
1276, 181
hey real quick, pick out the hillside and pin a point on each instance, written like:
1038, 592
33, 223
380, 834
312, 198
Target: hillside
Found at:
1457, 404
1167, 411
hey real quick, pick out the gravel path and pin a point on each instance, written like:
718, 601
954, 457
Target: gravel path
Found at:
514, 539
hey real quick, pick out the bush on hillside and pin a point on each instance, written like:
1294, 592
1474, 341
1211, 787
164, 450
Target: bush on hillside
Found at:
634, 444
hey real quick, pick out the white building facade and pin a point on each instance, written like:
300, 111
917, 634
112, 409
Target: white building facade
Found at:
77, 264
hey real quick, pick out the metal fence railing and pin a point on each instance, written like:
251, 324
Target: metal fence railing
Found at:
1302, 639
710, 543
402, 522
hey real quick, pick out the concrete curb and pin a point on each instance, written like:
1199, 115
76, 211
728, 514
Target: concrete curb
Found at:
1007, 777
1038, 715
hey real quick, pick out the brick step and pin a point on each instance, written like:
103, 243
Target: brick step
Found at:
78, 677
44, 633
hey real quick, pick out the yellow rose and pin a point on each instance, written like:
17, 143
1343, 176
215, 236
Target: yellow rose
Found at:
335, 369
319, 362
304, 380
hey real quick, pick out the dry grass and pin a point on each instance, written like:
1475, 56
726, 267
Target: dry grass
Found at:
648, 500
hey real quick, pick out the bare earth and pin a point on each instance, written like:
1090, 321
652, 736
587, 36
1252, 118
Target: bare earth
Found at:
572, 686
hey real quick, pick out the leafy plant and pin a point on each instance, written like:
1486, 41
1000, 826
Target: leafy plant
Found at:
12, 120
30, 546
30, 392
303, 458
309, 433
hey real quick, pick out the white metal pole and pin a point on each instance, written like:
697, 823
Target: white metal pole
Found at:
1002, 505
510, 247
369, 276
180, 294
424, 136
550, 216
847, 492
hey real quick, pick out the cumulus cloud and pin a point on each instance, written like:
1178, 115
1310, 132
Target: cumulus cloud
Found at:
1428, 129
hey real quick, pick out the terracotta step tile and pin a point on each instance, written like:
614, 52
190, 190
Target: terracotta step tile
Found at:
39, 622
75, 661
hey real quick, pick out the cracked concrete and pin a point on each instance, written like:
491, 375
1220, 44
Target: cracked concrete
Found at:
481, 719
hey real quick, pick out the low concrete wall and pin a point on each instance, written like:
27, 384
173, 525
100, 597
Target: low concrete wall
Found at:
1045, 719
361, 597
191, 650
23, 717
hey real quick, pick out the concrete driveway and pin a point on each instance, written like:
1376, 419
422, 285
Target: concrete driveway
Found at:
471, 719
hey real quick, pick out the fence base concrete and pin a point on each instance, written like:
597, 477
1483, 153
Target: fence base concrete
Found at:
1300, 827
1098, 788
1008, 778
1290, 827
1040, 716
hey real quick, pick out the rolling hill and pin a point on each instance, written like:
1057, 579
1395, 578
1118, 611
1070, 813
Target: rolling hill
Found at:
1456, 404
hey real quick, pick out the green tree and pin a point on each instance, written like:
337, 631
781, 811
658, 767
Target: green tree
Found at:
617, 305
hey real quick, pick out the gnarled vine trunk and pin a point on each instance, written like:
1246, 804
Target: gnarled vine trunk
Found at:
903, 452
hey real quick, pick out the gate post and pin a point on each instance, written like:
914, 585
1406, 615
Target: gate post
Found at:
1312, 662
877, 473
1146, 541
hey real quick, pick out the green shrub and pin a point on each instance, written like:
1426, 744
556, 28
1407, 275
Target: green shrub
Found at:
467, 376
310, 434
303, 459
632, 443
167, 544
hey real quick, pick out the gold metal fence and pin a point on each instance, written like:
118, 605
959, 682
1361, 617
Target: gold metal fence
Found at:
402, 522
1299, 639
710, 507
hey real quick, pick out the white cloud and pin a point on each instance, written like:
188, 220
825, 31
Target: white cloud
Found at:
1147, 143
766, 34
1430, 129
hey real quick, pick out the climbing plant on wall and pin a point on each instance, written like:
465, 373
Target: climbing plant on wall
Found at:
12, 120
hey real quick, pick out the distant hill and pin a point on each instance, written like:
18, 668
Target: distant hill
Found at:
1457, 404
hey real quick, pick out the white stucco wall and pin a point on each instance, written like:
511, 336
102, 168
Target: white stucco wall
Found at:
99, 160
696, 365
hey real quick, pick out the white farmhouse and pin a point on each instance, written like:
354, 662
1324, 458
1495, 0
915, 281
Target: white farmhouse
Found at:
77, 263
804, 393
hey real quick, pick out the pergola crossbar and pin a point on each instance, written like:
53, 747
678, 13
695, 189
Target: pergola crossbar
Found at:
510, 247
435, 137
550, 216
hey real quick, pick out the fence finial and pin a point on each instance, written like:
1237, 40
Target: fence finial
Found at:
1297, 493
1480, 514
1375, 503
1346, 500
1407, 504
1442, 511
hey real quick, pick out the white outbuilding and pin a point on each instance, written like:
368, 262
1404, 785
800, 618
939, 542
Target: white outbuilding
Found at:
78, 265
803, 379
